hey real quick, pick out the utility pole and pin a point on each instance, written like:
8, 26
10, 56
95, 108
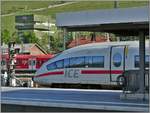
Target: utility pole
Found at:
116, 4
65, 36
11, 63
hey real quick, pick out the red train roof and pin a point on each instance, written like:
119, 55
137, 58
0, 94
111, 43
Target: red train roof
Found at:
36, 56
29, 56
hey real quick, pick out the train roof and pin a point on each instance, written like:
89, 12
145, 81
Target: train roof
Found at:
93, 46
105, 45
36, 56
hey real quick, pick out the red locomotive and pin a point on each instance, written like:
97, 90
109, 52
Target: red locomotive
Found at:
25, 63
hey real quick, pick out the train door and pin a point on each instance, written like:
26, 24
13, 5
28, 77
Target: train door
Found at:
117, 62
32, 63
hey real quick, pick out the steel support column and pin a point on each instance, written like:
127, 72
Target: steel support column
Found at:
142, 61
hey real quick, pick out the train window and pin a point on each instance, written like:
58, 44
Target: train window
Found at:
88, 61
80, 62
60, 64
77, 62
117, 58
73, 62
98, 61
51, 66
136, 61
66, 62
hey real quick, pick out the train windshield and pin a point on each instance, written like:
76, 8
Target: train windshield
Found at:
56, 55
137, 60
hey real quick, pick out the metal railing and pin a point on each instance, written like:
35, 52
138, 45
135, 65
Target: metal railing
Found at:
132, 80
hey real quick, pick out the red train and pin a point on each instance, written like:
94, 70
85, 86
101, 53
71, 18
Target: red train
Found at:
25, 63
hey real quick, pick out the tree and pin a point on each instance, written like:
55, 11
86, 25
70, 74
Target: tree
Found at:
15, 38
5, 36
29, 37
43, 42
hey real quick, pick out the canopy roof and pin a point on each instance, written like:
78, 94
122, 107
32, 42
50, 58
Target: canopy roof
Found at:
125, 21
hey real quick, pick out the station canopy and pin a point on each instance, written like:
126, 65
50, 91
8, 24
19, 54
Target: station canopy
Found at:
121, 21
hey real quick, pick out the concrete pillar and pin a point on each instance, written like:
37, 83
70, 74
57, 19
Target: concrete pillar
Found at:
142, 61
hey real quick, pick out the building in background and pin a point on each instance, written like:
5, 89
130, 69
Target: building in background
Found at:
30, 49
38, 24
86, 40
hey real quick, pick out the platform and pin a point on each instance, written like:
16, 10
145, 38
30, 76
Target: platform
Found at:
99, 100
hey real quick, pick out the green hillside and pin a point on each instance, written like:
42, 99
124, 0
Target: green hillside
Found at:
20, 6
25, 7
91, 5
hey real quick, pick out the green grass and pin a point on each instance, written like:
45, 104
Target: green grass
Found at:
82, 6
14, 6
21, 7
8, 23
79, 6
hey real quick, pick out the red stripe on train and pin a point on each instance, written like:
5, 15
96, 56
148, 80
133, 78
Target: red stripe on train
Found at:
83, 72
101, 72
51, 73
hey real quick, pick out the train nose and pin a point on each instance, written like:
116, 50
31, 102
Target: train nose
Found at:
34, 79
37, 78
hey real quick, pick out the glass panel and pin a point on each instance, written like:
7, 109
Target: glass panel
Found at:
66, 63
60, 64
80, 62
51, 66
117, 58
98, 61
137, 59
88, 61
77, 62
73, 62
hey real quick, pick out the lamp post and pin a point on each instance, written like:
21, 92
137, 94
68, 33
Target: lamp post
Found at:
11, 53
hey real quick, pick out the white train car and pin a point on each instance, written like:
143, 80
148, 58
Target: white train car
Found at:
95, 63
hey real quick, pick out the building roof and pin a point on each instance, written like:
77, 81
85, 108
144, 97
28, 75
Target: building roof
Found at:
109, 20
26, 47
84, 40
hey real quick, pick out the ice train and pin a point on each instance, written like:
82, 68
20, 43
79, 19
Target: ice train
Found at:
95, 63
